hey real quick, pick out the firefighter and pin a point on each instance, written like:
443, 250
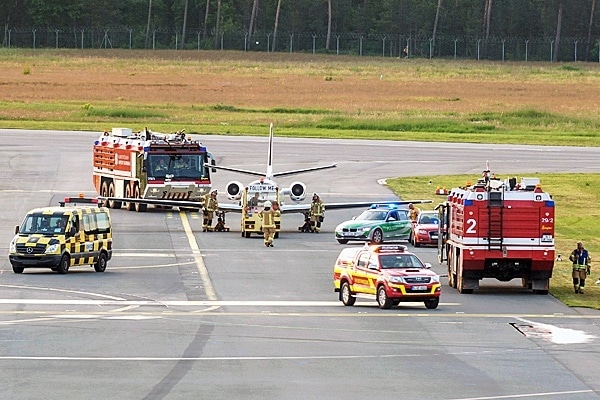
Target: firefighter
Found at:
581, 267
161, 167
317, 211
210, 206
413, 212
268, 214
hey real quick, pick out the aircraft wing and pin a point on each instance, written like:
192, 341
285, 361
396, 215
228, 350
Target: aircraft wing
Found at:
172, 203
302, 208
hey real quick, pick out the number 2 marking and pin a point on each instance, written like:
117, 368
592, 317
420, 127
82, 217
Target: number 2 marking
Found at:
471, 225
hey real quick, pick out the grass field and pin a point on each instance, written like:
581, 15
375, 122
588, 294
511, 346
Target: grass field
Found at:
305, 95
214, 92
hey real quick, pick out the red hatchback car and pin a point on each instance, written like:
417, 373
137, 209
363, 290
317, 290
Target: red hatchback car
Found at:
425, 230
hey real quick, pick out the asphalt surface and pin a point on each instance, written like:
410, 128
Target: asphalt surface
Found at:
183, 314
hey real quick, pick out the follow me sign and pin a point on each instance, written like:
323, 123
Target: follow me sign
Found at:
262, 188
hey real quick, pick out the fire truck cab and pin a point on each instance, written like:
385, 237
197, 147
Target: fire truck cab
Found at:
497, 229
149, 165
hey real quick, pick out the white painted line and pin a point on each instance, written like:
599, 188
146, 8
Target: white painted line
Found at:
207, 283
524, 395
196, 303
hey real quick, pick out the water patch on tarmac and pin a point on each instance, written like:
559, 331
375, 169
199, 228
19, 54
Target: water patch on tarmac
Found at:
551, 333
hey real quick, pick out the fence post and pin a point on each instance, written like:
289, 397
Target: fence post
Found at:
245, 41
56, 31
455, 42
360, 45
430, 48
130, 37
269, 42
314, 42
576, 50
82, 39
551, 50
383, 47
34, 38
526, 50
478, 46
154, 39
198, 40
9, 38
337, 45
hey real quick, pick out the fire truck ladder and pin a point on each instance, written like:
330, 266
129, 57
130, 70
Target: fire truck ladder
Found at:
495, 210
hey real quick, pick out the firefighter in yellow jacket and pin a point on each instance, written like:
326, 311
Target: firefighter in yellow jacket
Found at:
317, 211
210, 206
268, 214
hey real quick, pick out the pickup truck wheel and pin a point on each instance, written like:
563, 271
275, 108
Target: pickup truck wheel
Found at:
100, 265
432, 304
342, 241
63, 266
377, 237
346, 295
382, 298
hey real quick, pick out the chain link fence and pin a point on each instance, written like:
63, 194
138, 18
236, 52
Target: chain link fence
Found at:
383, 45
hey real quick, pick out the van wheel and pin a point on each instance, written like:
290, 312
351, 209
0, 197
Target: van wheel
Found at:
346, 295
100, 265
17, 270
382, 298
63, 266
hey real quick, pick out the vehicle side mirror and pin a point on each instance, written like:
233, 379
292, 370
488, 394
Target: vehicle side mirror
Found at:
72, 231
373, 266
17, 229
428, 265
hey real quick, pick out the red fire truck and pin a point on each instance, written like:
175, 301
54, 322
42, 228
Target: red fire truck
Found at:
148, 165
497, 229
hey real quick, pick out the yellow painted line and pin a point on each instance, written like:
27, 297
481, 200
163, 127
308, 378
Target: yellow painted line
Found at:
207, 283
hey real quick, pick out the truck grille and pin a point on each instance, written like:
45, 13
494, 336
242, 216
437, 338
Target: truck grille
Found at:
418, 279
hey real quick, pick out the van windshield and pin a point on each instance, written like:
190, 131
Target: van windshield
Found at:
45, 224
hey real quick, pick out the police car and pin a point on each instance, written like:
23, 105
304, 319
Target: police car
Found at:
389, 273
62, 237
376, 225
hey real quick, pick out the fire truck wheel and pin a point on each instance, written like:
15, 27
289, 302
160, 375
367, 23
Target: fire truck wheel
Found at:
346, 295
111, 193
432, 304
100, 265
129, 193
139, 207
377, 237
382, 298
104, 192
342, 241
63, 266
17, 270
451, 278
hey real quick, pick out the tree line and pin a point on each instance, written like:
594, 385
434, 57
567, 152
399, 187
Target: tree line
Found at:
205, 21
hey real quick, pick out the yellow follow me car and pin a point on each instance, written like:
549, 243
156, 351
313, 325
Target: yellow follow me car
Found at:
61, 237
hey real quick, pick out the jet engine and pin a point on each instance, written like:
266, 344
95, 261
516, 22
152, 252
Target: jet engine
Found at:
296, 191
234, 190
